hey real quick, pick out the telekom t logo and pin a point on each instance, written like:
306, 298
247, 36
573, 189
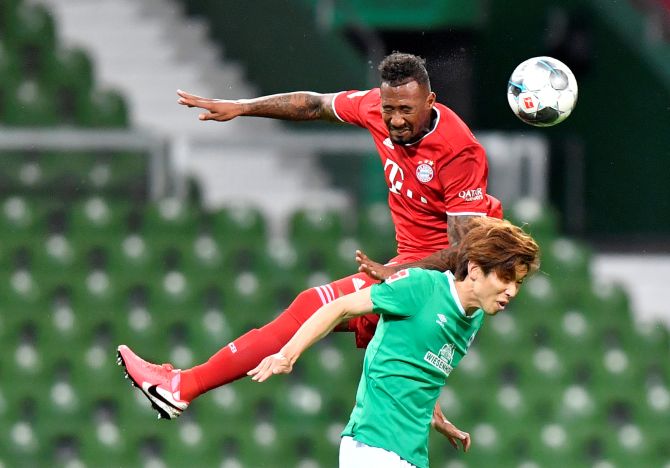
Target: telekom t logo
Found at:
394, 173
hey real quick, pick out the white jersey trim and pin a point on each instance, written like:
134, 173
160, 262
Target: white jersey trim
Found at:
466, 213
332, 104
454, 293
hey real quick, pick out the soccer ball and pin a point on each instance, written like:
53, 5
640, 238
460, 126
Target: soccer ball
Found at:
542, 91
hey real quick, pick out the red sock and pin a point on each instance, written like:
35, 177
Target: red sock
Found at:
237, 358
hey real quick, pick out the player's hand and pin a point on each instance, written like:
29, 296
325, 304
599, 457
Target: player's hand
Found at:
274, 364
447, 429
220, 110
371, 268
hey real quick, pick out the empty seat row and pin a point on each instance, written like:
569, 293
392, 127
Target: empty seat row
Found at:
44, 84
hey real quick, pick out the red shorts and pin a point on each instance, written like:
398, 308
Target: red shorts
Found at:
364, 326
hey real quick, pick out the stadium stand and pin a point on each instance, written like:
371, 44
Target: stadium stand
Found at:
566, 377
560, 366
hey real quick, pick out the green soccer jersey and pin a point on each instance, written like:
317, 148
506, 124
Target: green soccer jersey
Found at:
422, 335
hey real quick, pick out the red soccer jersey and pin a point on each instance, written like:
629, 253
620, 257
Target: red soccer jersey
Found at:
444, 173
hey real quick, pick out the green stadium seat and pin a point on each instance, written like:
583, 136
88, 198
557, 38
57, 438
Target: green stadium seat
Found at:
247, 302
653, 337
488, 448
19, 442
577, 331
576, 404
138, 324
553, 445
61, 171
539, 220
131, 256
252, 405
202, 257
622, 445
186, 446
100, 173
333, 261
31, 105
239, 226
24, 364
98, 220
21, 171
171, 295
616, 376
62, 406
652, 415
69, 173
209, 328
376, 232
307, 444
333, 357
131, 173
315, 227
7, 17
9, 73
118, 176
21, 218
96, 362
52, 257
69, 73
104, 442
553, 364
609, 304
62, 327
96, 294
33, 35
19, 289
501, 336
103, 109
170, 222
223, 403
567, 264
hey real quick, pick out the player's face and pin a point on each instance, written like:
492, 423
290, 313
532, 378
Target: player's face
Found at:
494, 293
406, 110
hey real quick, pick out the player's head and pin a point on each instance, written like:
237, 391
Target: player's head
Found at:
407, 100
493, 258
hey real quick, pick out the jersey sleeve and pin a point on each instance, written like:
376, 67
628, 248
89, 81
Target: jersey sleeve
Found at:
464, 180
351, 106
494, 207
402, 294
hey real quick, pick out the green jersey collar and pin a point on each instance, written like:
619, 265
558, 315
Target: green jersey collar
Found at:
454, 294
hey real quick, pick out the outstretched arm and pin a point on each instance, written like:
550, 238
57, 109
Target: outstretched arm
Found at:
457, 226
316, 327
301, 105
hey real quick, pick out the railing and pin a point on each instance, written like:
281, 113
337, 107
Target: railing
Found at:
160, 182
518, 163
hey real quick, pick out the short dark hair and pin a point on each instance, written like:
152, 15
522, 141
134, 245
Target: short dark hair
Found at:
400, 68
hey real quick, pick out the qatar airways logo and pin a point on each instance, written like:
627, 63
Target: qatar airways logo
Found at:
471, 195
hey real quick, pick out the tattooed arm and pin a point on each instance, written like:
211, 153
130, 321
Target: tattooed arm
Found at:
301, 105
457, 226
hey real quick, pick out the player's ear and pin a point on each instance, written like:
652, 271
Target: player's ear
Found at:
474, 271
430, 101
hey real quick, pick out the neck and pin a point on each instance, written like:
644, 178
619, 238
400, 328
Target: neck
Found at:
466, 295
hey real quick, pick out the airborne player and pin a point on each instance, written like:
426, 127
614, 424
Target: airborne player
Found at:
436, 173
